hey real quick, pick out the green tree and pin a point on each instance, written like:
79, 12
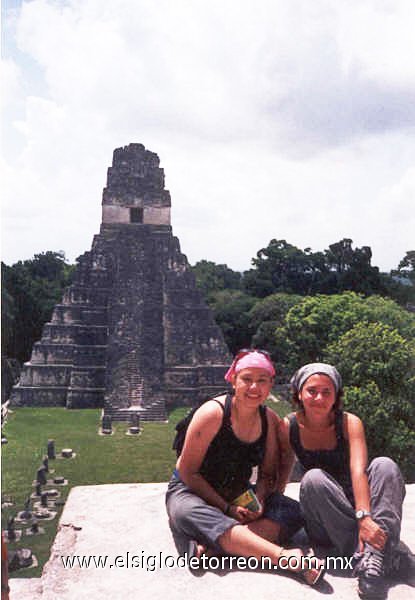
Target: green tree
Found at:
352, 269
317, 321
49, 266
401, 281
266, 316
34, 286
406, 267
272, 308
280, 267
8, 313
211, 277
389, 312
378, 369
374, 352
231, 311
398, 289
388, 424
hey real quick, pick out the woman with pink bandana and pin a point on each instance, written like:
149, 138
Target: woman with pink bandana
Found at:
227, 437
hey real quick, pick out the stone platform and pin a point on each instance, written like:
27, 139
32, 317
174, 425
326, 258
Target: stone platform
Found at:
114, 520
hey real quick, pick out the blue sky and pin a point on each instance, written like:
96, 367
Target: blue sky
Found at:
283, 119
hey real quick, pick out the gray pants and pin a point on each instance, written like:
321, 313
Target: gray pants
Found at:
330, 517
191, 517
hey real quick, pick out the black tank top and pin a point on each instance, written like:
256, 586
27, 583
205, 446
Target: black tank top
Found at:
335, 462
228, 462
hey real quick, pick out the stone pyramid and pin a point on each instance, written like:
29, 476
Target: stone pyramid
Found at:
132, 333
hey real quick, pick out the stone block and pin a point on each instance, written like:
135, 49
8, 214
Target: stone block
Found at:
43, 375
48, 353
63, 315
38, 396
87, 377
94, 316
89, 355
85, 398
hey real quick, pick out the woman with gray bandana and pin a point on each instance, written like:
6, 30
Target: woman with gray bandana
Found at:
347, 504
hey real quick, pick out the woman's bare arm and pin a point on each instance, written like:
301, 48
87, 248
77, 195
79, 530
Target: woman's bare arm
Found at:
267, 472
203, 427
286, 455
369, 531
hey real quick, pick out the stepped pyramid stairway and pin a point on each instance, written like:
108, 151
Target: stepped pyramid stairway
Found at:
132, 333
69, 360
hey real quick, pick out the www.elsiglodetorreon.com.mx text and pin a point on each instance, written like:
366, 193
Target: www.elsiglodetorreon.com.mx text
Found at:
154, 562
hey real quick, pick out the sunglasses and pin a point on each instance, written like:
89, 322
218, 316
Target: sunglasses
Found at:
244, 351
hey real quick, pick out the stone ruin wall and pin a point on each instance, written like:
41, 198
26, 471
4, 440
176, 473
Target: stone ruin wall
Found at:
132, 331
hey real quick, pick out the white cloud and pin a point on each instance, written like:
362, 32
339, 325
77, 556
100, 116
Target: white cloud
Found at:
10, 82
284, 119
382, 43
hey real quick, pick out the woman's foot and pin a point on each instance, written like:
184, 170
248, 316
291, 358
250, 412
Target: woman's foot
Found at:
195, 550
311, 568
314, 575
371, 574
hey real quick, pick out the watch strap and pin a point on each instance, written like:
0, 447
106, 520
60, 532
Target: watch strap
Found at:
362, 513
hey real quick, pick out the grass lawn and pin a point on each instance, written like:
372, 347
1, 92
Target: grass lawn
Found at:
99, 459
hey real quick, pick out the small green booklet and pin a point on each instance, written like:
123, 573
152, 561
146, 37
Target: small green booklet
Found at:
248, 500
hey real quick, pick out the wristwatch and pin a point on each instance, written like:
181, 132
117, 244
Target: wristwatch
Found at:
362, 513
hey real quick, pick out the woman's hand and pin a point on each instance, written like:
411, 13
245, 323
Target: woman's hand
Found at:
371, 533
243, 515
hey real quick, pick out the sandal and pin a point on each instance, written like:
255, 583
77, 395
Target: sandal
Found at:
314, 575
195, 550
192, 549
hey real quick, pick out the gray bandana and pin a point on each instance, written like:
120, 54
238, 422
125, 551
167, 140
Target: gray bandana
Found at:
300, 376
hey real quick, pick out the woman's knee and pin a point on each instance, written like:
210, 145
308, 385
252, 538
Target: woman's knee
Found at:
385, 466
179, 516
318, 488
313, 481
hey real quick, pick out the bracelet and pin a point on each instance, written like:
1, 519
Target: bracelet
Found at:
227, 509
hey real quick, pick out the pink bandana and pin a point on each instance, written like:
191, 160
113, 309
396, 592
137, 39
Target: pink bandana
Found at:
253, 359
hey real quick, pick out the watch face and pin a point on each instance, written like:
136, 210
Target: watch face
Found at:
359, 514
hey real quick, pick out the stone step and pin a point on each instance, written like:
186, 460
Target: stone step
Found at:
54, 375
45, 375
75, 334
38, 396
87, 377
66, 314
86, 295
156, 412
48, 353
84, 397
89, 276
